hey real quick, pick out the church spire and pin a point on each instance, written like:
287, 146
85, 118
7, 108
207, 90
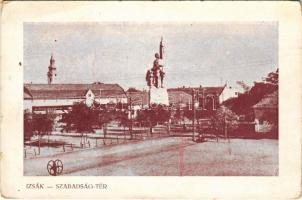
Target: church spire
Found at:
51, 69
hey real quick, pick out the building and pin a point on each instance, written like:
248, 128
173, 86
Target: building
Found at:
231, 91
138, 98
60, 97
266, 113
205, 97
179, 99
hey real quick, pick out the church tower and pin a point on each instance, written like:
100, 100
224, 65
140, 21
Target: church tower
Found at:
51, 70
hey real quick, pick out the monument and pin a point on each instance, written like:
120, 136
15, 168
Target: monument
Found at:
157, 92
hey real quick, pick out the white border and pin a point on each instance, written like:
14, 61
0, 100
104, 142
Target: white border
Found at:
286, 185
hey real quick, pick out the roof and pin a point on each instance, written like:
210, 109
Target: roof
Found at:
268, 101
202, 90
176, 96
72, 91
178, 93
26, 93
138, 97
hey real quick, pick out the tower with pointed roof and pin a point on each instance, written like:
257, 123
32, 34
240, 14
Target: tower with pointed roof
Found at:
51, 70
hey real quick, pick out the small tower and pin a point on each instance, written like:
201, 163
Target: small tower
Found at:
51, 69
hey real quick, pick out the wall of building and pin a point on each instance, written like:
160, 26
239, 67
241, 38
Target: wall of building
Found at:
111, 100
230, 92
266, 119
179, 99
28, 104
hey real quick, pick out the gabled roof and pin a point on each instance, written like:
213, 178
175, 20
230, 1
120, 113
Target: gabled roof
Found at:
201, 90
73, 91
179, 93
138, 97
26, 93
176, 97
268, 101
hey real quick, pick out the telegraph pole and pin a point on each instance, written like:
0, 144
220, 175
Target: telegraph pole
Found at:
194, 114
225, 127
130, 117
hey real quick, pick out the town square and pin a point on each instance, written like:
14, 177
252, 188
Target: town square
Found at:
127, 99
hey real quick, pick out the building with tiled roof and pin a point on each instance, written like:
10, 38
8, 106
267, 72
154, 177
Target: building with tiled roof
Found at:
205, 97
270, 101
138, 98
179, 99
266, 113
40, 96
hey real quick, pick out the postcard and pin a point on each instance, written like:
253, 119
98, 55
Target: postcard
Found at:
151, 100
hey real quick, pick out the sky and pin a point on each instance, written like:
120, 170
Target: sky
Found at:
207, 54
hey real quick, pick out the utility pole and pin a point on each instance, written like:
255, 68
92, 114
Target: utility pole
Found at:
203, 99
194, 114
130, 117
149, 97
225, 126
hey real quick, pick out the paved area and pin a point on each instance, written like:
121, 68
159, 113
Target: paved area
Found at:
167, 157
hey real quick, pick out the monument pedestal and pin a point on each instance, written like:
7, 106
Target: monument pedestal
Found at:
159, 96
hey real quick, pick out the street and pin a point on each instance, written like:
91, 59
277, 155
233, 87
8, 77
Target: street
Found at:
167, 157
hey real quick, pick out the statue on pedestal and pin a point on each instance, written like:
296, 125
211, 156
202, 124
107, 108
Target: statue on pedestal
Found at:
162, 75
157, 70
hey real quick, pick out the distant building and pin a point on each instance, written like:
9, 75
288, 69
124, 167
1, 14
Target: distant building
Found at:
205, 97
231, 91
60, 97
138, 98
179, 99
266, 113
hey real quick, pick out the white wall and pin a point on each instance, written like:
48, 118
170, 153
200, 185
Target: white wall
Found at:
28, 104
111, 100
229, 92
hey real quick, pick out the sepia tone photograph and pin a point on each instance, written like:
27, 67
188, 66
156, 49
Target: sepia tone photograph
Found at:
150, 99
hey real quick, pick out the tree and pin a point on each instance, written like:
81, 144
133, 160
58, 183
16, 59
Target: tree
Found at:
123, 119
157, 114
132, 89
102, 118
272, 77
42, 125
244, 85
178, 115
81, 118
28, 125
224, 120
242, 105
